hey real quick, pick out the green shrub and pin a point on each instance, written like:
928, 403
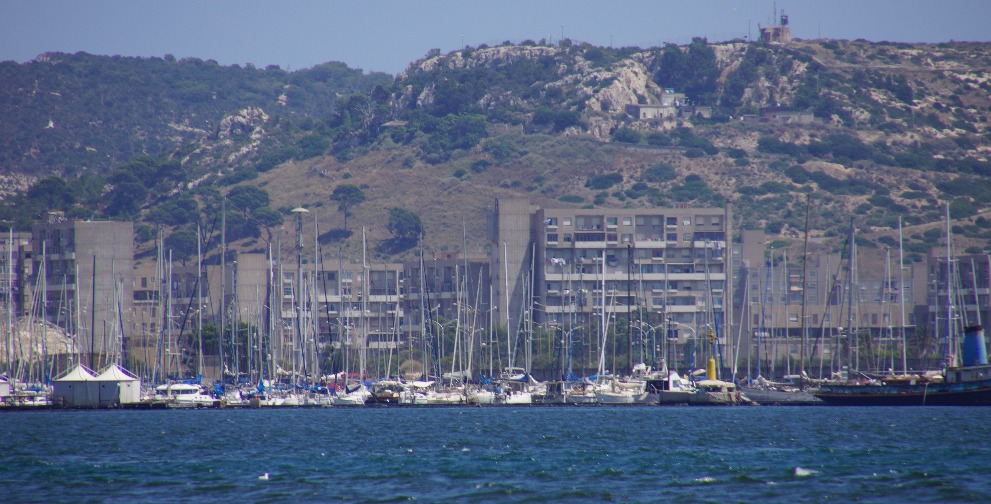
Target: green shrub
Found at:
661, 172
658, 139
603, 181
736, 153
626, 135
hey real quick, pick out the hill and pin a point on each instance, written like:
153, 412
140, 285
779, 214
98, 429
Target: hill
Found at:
898, 130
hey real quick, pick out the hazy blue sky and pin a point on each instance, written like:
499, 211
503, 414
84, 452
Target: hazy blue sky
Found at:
386, 35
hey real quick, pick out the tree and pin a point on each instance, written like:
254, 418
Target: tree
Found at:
347, 196
406, 229
695, 70
247, 198
52, 193
182, 244
126, 197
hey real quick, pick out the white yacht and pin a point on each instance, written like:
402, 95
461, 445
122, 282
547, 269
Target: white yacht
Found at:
186, 395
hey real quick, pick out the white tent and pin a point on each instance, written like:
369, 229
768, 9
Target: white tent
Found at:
118, 386
77, 388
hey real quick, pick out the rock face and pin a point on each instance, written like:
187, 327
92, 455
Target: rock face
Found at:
13, 183
601, 92
238, 135
629, 82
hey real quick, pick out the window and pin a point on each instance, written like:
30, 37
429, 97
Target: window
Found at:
611, 237
699, 220
714, 220
792, 317
672, 221
552, 237
672, 237
640, 220
686, 237
612, 221
627, 221
627, 237
687, 221
144, 282
566, 221
551, 221
567, 237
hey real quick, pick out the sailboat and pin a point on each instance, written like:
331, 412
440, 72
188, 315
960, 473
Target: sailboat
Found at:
357, 395
763, 391
965, 384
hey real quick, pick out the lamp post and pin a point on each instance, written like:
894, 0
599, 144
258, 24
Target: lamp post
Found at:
694, 339
651, 330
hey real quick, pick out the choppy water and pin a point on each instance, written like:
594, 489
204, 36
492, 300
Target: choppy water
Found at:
590, 454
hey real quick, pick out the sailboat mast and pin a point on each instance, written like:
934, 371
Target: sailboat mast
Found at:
92, 317
10, 304
950, 342
901, 294
315, 299
199, 302
223, 286
602, 336
364, 300
509, 327
805, 296
849, 308
298, 291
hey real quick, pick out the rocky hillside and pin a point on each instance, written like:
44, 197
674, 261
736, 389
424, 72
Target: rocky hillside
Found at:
68, 114
876, 130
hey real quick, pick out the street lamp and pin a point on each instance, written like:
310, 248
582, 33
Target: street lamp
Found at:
643, 341
694, 339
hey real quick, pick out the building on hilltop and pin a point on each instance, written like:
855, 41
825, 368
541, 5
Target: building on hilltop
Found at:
776, 34
667, 107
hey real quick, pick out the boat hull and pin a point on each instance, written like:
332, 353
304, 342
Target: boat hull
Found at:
928, 394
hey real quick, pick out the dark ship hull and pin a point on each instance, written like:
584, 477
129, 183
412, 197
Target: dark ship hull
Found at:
946, 393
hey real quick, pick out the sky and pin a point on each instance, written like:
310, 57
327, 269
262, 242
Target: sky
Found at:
386, 35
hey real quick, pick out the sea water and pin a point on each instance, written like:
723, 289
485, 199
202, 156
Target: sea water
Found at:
499, 454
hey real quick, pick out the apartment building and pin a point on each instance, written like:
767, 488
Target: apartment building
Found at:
853, 313
580, 267
88, 269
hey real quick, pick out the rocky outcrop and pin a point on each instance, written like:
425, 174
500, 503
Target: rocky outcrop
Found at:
238, 135
601, 92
